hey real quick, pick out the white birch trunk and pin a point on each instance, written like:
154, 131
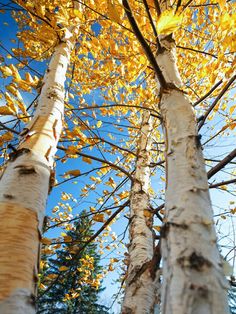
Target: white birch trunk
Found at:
141, 282
193, 281
24, 187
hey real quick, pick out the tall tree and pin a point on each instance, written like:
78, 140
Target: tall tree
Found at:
27, 179
142, 281
192, 272
77, 291
232, 299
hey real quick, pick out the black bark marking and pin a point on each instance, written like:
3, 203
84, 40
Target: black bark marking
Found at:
32, 299
8, 196
198, 261
26, 170
194, 261
19, 152
127, 310
198, 141
155, 262
202, 290
166, 228
52, 180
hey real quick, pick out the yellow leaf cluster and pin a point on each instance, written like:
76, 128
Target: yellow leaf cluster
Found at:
87, 160
73, 173
99, 218
112, 12
6, 111
46, 241
63, 268
168, 22
8, 136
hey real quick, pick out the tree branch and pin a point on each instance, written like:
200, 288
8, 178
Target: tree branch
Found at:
199, 51
221, 164
144, 44
208, 93
221, 94
216, 185
102, 161
152, 23
211, 173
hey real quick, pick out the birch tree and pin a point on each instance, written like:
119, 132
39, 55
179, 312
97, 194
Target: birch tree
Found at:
142, 281
27, 180
193, 280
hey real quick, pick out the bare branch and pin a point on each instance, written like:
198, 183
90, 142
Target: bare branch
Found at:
216, 185
221, 164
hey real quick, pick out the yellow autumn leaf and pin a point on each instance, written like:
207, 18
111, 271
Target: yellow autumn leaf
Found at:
41, 286
157, 228
147, 213
92, 209
168, 22
22, 107
223, 187
15, 73
86, 159
227, 21
71, 150
222, 4
111, 267
99, 124
11, 88
232, 126
111, 183
63, 268
5, 111
231, 109
99, 217
74, 173
8, 136
67, 238
52, 276
65, 196
233, 211
6, 71
112, 12
46, 241
123, 194
78, 13
28, 78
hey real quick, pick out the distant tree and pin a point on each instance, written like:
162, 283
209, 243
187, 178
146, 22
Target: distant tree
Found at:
76, 274
232, 300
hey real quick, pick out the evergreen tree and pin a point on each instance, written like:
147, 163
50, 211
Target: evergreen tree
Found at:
232, 299
74, 275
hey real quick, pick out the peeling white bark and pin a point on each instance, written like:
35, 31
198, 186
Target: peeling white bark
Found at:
193, 281
141, 284
24, 187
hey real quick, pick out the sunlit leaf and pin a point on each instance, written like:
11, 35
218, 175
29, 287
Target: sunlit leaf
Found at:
168, 22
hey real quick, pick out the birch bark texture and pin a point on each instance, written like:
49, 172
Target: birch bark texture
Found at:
193, 280
24, 187
141, 283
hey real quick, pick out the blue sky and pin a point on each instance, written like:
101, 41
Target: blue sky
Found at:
221, 200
